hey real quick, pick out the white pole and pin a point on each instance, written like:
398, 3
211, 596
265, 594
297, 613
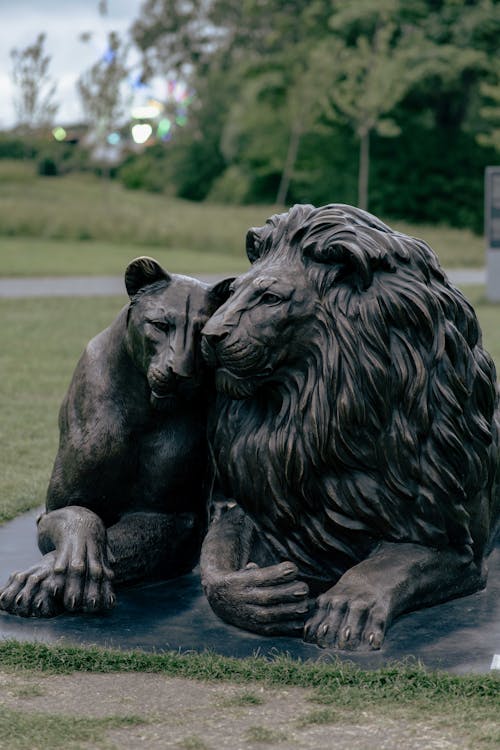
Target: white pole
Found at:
492, 232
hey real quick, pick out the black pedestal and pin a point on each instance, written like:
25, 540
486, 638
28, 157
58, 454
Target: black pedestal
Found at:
459, 636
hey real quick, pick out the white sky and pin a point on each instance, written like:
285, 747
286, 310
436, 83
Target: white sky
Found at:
22, 20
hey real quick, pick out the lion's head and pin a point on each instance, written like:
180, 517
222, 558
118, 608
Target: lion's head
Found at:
352, 354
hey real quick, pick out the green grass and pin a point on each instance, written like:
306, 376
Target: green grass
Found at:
38, 731
244, 699
32, 257
40, 343
264, 735
320, 716
467, 705
82, 207
335, 680
193, 742
79, 224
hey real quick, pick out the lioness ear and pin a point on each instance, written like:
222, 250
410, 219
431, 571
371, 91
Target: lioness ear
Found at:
254, 243
141, 272
220, 291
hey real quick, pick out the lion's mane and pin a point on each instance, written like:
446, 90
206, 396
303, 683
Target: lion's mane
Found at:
389, 428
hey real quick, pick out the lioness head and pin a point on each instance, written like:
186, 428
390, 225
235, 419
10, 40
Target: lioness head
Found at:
165, 318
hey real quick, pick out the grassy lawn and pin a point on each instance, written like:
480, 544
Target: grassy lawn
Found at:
334, 694
40, 343
32, 257
81, 225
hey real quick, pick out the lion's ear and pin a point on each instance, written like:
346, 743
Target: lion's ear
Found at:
141, 272
220, 291
254, 243
356, 261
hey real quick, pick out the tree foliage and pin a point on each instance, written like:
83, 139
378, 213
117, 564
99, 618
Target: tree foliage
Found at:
296, 99
34, 99
100, 88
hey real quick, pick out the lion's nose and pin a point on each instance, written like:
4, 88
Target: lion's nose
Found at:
212, 339
209, 343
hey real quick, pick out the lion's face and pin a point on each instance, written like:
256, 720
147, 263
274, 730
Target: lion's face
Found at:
258, 329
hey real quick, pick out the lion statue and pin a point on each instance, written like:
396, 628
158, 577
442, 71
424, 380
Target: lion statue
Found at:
356, 433
127, 499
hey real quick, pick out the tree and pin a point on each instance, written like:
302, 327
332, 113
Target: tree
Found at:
490, 112
363, 79
173, 35
224, 41
296, 83
34, 102
99, 89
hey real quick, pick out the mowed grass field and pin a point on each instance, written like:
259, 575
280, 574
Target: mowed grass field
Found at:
80, 224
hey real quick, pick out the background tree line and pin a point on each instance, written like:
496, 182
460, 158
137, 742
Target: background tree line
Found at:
390, 104
393, 105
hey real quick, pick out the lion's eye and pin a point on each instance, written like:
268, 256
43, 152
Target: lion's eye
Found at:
270, 299
160, 325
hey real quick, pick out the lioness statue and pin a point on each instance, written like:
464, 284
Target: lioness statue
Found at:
127, 496
356, 429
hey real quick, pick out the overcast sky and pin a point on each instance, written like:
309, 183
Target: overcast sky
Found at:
22, 20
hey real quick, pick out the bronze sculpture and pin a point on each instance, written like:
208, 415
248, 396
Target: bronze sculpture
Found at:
356, 433
127, 496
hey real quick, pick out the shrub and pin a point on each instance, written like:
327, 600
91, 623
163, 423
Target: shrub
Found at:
233, 186
47, 166
148, 170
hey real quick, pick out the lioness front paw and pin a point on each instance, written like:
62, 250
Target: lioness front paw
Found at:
347, 621
27, 593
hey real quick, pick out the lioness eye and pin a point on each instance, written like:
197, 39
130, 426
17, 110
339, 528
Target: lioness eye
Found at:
161, 325
270, 299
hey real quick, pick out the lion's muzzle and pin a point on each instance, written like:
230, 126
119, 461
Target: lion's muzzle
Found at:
209, 345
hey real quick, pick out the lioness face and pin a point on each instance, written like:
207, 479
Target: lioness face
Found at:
165, 318
257, 330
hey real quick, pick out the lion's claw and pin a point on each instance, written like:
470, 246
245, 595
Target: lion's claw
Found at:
347, 619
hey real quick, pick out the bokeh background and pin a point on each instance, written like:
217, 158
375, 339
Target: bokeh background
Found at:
391, 104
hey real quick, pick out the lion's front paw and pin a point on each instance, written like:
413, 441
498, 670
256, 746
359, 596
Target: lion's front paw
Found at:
348, 620
268, 600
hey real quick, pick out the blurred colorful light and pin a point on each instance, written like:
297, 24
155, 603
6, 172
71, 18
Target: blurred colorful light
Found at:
109, 56
141, 132
147, 111
163, 127
178, 92
113, 139
59, 134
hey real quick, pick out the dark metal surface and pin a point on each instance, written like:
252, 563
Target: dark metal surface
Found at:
460, 636
356, 427
132, 427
